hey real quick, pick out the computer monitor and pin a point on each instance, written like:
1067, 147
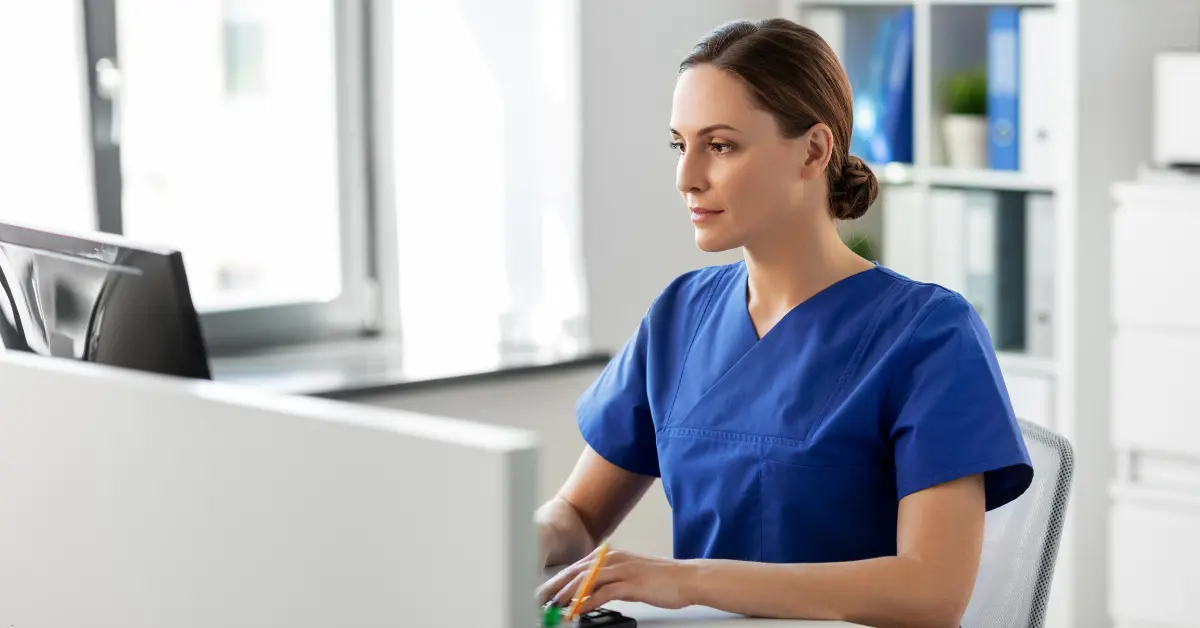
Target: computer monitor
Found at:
98, 298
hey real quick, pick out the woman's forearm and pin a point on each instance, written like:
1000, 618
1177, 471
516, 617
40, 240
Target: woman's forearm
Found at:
562, 535
889, 591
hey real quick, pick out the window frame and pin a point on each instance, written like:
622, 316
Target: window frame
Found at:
359, 309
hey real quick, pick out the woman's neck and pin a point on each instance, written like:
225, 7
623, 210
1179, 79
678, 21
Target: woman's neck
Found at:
786, 272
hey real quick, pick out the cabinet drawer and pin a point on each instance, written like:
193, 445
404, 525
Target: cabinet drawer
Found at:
1154, 549
1145, 290
1154, 392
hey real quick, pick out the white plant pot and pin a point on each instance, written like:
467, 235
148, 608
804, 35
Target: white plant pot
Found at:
965, 139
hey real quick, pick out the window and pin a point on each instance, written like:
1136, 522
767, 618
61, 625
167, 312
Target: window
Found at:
241, 133
233, 131
230, 145
45, 151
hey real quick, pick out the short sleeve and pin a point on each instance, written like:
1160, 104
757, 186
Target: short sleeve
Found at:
952, 414
614, 412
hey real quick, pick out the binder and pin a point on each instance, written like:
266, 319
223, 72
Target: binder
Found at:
1003, 82
867, 140
994, 224
977, 249
947, 250
1039, 75
882, 81
898, 93
1040, 274
906, 231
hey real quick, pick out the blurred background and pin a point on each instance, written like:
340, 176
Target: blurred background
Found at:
465, 207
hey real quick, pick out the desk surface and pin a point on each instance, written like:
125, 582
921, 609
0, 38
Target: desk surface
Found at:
700, 617
354, 368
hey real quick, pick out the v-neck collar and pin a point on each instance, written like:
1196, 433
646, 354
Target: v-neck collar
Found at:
740, 300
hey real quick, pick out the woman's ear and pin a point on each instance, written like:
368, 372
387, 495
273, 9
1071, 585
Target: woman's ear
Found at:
817, 143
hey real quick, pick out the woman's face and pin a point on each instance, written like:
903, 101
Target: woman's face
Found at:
737, 173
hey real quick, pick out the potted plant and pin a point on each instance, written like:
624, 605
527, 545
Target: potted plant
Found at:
965, 124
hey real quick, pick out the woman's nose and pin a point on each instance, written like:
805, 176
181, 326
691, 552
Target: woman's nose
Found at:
690, 176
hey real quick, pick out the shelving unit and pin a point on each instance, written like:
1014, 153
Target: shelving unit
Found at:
984, 180
950, 36
944, 177
993, 3
1101, 113
889, 3
894, 173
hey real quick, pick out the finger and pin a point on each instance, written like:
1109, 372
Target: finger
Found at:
565, 594
616, 556
566, 583
614, 573
560, 580
623, 591
607, 575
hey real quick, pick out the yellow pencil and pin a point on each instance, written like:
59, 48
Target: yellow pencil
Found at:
585, 587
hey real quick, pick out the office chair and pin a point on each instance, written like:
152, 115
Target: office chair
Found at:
1020, 541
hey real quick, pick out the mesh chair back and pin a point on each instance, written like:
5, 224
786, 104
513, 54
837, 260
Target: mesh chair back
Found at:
1021, 540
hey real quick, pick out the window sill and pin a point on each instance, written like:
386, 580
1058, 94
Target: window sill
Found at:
365, 366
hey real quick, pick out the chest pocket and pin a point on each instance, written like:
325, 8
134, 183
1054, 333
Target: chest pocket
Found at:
826, 514
714, 487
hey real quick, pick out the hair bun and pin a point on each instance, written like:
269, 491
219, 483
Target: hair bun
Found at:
855, 190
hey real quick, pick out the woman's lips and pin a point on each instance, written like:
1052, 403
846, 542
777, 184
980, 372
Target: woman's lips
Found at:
702, 214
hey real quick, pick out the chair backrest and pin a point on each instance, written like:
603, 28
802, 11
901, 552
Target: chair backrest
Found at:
1021, 540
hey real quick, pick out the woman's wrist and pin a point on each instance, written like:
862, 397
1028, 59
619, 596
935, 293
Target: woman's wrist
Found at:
696, 573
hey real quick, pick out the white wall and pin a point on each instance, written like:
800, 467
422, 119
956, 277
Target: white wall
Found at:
636, 234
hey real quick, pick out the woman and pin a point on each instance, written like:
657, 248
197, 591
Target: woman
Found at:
829, 433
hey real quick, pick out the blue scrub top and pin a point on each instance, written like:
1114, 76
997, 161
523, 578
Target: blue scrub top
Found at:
798, 446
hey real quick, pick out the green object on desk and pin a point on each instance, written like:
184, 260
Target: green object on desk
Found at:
551, 617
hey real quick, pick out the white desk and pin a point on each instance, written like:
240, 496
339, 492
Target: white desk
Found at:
700, 617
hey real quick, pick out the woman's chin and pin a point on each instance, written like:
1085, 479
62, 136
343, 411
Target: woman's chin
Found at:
710, 242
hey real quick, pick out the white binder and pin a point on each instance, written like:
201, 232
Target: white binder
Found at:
1038, 105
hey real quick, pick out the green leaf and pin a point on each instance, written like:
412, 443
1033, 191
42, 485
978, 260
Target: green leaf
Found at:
966, 93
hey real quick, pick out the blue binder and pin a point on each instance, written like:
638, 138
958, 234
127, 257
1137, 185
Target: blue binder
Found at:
867, 81
883, 93
898, 116
1003, 68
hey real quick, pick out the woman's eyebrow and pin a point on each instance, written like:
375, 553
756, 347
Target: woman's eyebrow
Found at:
708, 130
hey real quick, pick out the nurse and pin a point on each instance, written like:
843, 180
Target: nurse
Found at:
829, 433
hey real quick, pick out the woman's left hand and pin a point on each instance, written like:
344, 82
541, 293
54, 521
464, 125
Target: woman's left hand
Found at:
627, 577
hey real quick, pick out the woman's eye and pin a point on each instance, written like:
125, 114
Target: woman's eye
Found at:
720, 148
677, 146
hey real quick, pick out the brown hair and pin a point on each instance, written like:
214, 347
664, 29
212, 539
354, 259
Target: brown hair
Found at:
795, 75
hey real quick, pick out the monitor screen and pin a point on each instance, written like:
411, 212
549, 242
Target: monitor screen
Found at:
98, 298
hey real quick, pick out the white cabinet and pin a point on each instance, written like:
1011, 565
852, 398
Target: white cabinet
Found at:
1152, 574
1155, 534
